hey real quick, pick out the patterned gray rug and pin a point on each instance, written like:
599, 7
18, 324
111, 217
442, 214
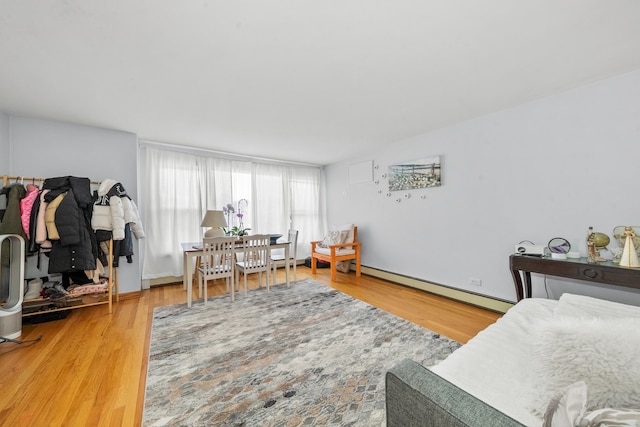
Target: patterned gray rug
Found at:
304, 356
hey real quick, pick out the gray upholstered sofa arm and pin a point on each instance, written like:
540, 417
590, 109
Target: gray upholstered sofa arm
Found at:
416, 397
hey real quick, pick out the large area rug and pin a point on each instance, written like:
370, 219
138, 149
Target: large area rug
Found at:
306, 355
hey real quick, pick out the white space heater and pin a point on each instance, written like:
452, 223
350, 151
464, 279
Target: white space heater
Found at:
11, 285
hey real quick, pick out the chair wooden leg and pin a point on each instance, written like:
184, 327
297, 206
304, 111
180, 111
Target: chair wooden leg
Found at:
313, 265
267, 277
230, 284
196, 277
206, 285
334, 276
200, 278
295, 278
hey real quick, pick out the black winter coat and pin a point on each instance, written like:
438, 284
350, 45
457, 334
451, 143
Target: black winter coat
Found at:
33, 224
77, 248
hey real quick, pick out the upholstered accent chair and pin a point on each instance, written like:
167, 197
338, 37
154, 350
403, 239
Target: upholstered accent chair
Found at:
340, 244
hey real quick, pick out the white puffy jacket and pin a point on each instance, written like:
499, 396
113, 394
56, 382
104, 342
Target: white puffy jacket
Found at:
114, 209
132, 217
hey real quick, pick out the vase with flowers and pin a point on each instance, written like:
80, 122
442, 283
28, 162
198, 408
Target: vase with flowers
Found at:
236, 230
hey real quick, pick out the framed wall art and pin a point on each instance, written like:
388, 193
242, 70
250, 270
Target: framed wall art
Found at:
422, 173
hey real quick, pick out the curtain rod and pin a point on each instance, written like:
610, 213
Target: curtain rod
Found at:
222, 154
7, 178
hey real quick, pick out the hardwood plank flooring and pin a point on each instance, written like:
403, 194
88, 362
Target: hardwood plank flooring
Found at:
90, 368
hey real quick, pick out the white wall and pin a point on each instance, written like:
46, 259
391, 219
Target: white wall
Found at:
545, 169
43, 148
4, 142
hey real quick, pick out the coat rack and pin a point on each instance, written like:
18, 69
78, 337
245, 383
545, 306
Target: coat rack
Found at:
112, 286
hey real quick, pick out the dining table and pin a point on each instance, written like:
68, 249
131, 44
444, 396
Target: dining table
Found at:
192, 250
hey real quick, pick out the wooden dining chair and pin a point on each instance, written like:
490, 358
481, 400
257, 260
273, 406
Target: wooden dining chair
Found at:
278, 260
217, 262
255, 258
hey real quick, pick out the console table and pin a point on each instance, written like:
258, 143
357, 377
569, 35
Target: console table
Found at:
603, 272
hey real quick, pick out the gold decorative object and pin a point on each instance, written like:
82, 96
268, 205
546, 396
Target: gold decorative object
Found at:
596, 241
629, 256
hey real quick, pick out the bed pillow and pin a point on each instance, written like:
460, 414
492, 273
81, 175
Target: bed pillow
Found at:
601, 352
608, 417
584, 306
568, 407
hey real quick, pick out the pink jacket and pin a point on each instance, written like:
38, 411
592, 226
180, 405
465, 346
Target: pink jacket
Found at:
26, 205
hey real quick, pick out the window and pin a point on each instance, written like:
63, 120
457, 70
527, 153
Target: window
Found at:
178, 188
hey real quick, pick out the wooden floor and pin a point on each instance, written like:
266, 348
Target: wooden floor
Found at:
90, 368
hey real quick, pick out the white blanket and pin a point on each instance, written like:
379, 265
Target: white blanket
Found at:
516, 364
494, 365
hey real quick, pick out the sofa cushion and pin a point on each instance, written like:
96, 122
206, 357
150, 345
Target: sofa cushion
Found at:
339, 251
334, 237
601, 352
348, 228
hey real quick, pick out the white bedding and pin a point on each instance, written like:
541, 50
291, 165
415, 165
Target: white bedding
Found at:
503, 367
493, 366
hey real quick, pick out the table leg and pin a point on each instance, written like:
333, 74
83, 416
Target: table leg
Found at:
286, 263
188, 276
517, 280
185, 256
527, 284
187, 280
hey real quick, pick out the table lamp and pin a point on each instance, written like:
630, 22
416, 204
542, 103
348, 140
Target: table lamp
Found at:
214, 220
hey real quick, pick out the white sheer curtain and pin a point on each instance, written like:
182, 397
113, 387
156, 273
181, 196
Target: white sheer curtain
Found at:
171, 210
306, 187
178, 188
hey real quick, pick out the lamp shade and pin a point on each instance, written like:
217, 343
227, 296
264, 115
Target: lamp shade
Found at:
214, 220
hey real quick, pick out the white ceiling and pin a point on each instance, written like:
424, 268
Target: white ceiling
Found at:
301, 80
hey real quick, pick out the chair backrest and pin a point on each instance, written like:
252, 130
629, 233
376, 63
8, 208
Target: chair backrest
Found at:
352, 236
350, 229
218, 257
293, 243
255, 250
